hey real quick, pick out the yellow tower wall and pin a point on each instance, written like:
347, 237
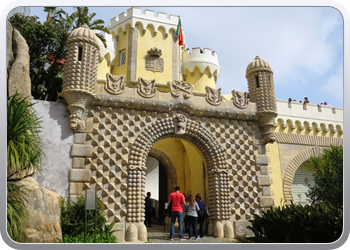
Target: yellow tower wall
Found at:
160, 41
122, 44
199, 80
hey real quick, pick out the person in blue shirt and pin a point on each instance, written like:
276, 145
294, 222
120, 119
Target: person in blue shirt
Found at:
201, 216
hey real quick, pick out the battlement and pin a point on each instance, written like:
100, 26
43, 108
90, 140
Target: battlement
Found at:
201, 59
134, 15
309, 116
199, 53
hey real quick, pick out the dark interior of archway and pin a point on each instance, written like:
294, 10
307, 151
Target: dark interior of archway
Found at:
163, 192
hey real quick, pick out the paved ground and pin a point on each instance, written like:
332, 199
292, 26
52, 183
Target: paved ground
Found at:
157, 234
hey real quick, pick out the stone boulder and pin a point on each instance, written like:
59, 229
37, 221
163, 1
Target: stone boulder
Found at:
18, 63
44, 210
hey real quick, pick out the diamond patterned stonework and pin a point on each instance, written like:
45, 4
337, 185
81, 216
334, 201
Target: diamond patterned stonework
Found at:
116, 128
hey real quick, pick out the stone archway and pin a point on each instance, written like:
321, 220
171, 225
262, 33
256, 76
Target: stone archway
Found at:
214, 155
293, 167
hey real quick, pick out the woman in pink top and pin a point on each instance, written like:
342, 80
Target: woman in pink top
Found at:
177, 199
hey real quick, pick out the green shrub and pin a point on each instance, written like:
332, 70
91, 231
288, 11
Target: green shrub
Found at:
73, 222
315, 223
24, 146
105, 236
16, 211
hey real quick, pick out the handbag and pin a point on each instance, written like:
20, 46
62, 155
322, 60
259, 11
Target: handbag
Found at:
206, 212
169, 209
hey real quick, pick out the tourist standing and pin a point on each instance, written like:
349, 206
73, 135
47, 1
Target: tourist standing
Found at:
201, 214
191, 209
148, 210
177, 199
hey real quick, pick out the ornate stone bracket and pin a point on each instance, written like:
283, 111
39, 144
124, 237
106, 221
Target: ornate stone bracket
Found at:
115, 85
178, 88
266, 120
76, 121
214, 96
240, 99
146, 88
77, 101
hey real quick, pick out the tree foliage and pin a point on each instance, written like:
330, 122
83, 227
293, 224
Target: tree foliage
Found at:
47, 45
328, 173
46, 42
83, 16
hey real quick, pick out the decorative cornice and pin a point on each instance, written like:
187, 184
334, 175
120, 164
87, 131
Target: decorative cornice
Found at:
307, 139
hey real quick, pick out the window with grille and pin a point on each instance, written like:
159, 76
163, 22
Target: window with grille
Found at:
122, 57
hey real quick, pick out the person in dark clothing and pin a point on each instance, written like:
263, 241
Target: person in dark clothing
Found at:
201, 216
148, 210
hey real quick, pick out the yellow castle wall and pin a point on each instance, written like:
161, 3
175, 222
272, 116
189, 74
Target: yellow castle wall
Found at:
188, 163
122, 44
200, 81
159, 41
276, 175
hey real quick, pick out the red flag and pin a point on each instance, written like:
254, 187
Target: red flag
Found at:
180, 34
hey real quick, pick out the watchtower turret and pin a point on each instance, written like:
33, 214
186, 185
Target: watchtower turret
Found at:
201, 68
262, 91
80, 73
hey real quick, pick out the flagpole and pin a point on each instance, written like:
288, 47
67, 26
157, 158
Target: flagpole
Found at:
179, 34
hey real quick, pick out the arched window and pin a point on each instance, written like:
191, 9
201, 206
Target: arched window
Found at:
302, 181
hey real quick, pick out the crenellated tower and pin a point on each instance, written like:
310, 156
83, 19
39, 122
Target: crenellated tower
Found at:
262, 91
145, 45
201, 68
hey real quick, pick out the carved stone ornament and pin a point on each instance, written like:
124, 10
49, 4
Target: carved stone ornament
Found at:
178, 88
240, 99
76, 121
214, 96
153, 60
146, 88
180, 122
115, 84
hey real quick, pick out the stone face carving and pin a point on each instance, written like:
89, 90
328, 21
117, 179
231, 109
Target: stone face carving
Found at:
153, 60
178, 88
146, 88
180, 122
214, 96
240, 99
115, 84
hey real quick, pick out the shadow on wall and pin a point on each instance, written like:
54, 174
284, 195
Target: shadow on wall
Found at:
57, 111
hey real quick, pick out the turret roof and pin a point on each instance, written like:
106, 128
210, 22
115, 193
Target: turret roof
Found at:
258, 64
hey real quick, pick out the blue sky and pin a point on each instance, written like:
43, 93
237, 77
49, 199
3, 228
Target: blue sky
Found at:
303, 45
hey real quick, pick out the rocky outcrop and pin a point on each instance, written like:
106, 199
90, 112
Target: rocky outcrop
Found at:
43, 209
18, 63
43, 205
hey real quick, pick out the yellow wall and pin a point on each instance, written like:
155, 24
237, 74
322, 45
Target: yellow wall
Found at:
188, 163
103, 69
147, 41
122, 44
276, 175
200, 81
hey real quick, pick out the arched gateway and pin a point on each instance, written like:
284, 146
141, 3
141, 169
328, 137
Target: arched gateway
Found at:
193, 132
116, 124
